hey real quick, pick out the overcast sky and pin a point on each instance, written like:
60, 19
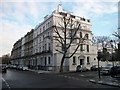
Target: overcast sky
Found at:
20, 16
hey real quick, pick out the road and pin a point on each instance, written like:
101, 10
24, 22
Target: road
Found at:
27, 79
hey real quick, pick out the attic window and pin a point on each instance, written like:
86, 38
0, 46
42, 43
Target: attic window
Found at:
72, 16
83, 19
88, 20
64, 14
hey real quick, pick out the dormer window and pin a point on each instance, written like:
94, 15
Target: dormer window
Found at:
72, 16
83, 19
87, 36
88, 20
63, 14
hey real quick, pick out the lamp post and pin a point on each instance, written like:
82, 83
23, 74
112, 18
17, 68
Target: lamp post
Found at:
99, 58
111, 42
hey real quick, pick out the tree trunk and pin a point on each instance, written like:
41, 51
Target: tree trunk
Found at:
61, 65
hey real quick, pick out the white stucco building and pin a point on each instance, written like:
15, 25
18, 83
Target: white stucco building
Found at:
38, 47
44, 45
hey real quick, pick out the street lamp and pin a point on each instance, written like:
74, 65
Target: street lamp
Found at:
111, 42
99, 58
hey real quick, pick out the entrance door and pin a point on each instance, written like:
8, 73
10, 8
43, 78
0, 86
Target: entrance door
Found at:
81, 61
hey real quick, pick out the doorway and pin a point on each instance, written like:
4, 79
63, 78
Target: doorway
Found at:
81, 61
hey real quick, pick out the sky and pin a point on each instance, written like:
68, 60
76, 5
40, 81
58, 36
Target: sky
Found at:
17, 17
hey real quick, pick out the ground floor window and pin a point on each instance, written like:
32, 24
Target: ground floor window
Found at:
48, 60
88, 60
74, 60
45, 61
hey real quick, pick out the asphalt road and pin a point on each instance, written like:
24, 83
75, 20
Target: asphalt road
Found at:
27, 79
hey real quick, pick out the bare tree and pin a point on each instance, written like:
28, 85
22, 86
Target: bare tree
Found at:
101, 40
67, 33
116, 35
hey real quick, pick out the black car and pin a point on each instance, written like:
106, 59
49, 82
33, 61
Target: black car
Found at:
94, 68
81, 69
115, 71
4, 68
106, 70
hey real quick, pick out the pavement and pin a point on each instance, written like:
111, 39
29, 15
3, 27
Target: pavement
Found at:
104, 80
40, 71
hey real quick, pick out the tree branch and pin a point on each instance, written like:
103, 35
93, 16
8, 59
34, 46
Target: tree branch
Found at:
59, 51
116, 35
74, 51
56, 38
73, 37
61, 38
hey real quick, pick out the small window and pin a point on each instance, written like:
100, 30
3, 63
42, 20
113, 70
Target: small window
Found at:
87, 48
45, 61
40, 30
43, 28
48, 33
40, 48
80, 34
88, 60
48, 25
40, 39
43, 48
81, 47
87, 36
88, 20
74, 60
48, 60
83, 19
94, 59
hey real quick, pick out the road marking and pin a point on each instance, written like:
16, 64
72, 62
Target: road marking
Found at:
6, 83
65, 76
69, 77
81, 75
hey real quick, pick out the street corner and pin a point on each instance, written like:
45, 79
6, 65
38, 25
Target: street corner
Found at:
115, 84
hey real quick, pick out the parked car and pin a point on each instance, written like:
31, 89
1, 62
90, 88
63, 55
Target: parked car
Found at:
95, 68
81, 69
14, 66
25, 68
115, 71
19, 67
4, 68
22, 67
106, 70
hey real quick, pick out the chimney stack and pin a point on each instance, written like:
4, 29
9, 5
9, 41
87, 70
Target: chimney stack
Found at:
60, 8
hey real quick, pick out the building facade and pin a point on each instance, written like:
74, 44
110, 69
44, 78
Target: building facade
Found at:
37, 48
